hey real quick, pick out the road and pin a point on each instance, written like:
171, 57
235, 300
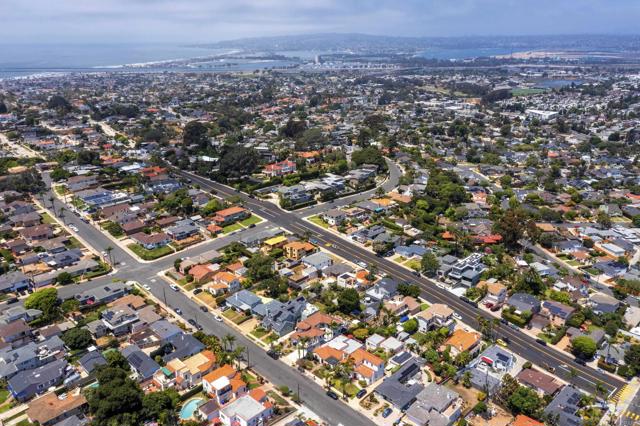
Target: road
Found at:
520, 343
129, 268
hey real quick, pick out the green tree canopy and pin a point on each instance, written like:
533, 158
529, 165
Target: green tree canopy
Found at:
348, 301
195, 133
583, 347
429, 264
237, 161
45, 300
117, 400
77, 338
260, 267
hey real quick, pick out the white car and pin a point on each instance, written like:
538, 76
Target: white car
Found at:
73, 228
217, 318
173, 287
146, 287
457, 316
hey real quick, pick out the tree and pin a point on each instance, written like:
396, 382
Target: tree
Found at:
117, 400
410, 326
3, 107
45, 300
525, 401
632, 358
116, 360
511, 227
161, 406
293, 128
408, 289
69, 305
429, 264
88, 157
348, 301
59, 103
195, 133
77, 338
583, 347
603, 219
368, 155
64, 278
260, 267
238, 161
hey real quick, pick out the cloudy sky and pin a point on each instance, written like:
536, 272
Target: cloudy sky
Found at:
103, 21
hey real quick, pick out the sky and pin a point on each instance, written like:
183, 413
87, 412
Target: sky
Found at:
195, 21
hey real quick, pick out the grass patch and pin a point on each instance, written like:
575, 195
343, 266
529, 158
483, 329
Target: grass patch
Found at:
46, 218
73, 243
424, 306
277, 398
527, 91
413, 264
399, 259
251, 220
4, 394
270, 338
102, 270
259, 332
235, 317
206, 298
145, 254
318, 221
230, 228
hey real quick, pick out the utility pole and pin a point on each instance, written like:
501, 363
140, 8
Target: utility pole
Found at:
164, 296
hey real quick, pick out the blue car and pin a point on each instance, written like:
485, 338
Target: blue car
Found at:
387, 412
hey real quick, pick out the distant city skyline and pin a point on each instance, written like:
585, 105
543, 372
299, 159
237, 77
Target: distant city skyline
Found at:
202, 21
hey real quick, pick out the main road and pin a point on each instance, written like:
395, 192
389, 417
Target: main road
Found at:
584, 377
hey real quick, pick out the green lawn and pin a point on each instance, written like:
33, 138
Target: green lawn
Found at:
230, 228
259, 332
251, 220
413, 264
277, 398
4, 394
145, 254
526, 91
73, 243
46, 218
318, 221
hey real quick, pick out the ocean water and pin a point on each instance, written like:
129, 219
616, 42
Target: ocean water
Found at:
29, 59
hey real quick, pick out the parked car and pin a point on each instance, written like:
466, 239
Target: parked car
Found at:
361, 393
146, 287
197, 291
217, 317
273, 354
174, 287
542, 342
387, 412
332, 395
192, 321
204, 309
178, 311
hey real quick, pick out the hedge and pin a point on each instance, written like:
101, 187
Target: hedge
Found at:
611, 368
514, 319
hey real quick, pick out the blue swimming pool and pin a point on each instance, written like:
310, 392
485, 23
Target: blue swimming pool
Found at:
189, 408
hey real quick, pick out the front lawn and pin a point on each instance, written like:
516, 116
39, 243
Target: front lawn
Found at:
230, 228
259, 332
251, 220
47, 219
413, 264
207, 298
4, 394
318, 221
145, 254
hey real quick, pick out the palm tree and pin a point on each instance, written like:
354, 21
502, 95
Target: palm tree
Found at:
228, 339
62, 216
109, 249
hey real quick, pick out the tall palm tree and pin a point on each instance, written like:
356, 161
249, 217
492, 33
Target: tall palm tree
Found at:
109, 249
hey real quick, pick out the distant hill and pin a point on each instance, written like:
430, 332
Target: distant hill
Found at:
364, 42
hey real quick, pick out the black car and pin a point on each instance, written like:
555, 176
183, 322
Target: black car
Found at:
506, 340
361, 393
580, 361
273, 354
253, 225
332, 395
192, 322
197, 291
198, 327
542, 342
204, 309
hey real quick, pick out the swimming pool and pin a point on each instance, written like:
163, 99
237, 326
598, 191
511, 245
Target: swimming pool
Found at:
189, 408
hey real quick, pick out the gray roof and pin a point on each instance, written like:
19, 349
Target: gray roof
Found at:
164, 329
243, 299
184, 345
26, 382
91, 360
398, 389
565, 406
141, 362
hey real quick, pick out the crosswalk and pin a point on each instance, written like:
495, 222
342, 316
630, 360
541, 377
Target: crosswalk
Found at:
631, 415
622, 394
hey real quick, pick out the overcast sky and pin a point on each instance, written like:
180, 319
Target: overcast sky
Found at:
103, 21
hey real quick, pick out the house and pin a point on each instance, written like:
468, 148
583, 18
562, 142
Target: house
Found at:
318, 260
103, 294
243, 300
133, 227
384, 289
223, 384
316, 329
230, 215
435, 316
465, 272
185, 374
223, 282
91, 360
29, 383
463, 341
401, 306
557, 312
524, 302
402, 388
51, 408
435, 405
296, 250
181, 346
15, 313
496, 359
14, 281
367, 366
522, 420
540, 382
374, 341
141, 364
496, 293
30, 356
203, 273
565, 406
37, 233
334, 217
151, 241
246, 411
119, 320
284, 317
280, 169
209, 411
15, 333
603, 304
182, 230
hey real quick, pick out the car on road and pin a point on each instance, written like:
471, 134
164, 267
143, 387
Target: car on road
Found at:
501, 342
73, 227
192, 322
146, 287
273, 353
542, 342
361, 393
217, 317
174, 287
204, 309
197, 291
387, 412
178, 311
457, 316
361, 264
332, 395
253, 225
